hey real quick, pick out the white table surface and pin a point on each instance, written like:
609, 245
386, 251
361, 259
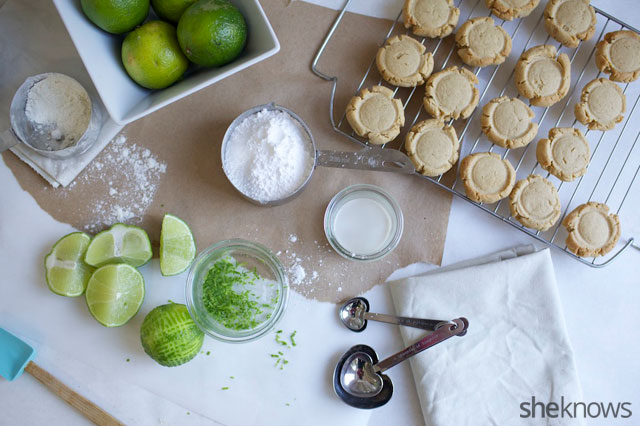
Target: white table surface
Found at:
600, 306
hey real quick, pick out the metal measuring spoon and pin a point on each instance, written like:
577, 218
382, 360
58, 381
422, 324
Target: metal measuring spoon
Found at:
355, 313
369, 158
358, 378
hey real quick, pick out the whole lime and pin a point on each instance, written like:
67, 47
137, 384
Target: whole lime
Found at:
169, 335
116, 16
212, 32
171, 10
152, 56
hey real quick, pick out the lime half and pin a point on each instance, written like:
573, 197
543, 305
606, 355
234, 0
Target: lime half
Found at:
119, 244
114, 294
177, 246
65, 271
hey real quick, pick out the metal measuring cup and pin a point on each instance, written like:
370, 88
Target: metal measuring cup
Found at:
23, 131
369, 158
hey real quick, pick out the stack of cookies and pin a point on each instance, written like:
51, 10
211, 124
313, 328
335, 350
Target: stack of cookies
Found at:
542, 76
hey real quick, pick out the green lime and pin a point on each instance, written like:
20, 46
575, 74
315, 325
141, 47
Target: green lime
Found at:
152, 56
171, 10
212, 32
120, 243
169, 335
114, 294
116, 16
65, 271
177, 246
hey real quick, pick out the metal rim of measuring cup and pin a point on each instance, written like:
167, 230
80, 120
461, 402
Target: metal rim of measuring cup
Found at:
239, 119
68, 152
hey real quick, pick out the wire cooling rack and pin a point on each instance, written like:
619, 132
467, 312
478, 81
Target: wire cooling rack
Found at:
615, 154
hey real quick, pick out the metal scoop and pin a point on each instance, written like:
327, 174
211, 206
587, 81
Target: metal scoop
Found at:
354, 314
358, 378
371, 158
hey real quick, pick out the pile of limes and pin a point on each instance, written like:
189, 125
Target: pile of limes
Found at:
156, 54
104, 269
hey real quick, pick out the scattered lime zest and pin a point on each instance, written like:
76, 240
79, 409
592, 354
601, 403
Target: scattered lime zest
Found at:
128, 359
287, 404
231, 377
225, 388
292, 337
208, 353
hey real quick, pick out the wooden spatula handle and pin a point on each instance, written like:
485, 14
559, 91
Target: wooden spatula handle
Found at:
94, 413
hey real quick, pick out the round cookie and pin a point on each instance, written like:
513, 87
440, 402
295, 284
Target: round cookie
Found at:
534, 202
433, 147
376, 115
602, 105
430, 18
480, 43
592, 230
541, 77
508, 122
487, 178
511, 9
565, 154
451, 93
618, 54
570, 21
404, 62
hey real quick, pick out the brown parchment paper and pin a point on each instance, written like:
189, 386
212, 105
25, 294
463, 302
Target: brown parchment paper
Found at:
187, 136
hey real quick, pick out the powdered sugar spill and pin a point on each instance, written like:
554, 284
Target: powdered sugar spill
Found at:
132, 174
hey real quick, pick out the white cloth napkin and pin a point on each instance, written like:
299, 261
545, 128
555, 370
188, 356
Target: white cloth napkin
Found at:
25, 25
516, 347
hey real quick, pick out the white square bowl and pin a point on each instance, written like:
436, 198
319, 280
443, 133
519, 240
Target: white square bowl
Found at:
123, 98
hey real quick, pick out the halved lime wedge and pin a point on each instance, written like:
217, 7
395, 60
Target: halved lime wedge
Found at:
114, 294
65, 270
177, 246
119, 244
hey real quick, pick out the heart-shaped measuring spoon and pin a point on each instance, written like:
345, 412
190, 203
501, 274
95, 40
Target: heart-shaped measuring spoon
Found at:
358, 378
354, 314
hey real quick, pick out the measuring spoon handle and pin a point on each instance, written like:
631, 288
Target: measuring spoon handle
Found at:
374, 158
458, 327
423, 323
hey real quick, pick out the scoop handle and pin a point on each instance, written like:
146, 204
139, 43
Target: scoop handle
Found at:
91, 411
372, 158
7, 140
457, 328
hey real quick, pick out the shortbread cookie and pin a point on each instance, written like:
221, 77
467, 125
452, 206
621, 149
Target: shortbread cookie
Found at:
602, 105
432, 146
451, 93
430, 18
570, 21
534, 202
487, 178
481, 43
511, 9
541, 77
565, 154
618, 54
404, 62
508, 122
593, 231
376, 115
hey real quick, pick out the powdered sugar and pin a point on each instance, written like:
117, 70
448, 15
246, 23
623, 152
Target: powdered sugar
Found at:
131, 173
268, 156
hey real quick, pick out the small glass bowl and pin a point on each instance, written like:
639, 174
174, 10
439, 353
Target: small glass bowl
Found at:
385, 200
24, 132
252, 255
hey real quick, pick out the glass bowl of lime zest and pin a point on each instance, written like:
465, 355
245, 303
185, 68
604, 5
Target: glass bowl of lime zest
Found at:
237, 291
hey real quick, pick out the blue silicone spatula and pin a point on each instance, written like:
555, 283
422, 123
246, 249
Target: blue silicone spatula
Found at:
16, 356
